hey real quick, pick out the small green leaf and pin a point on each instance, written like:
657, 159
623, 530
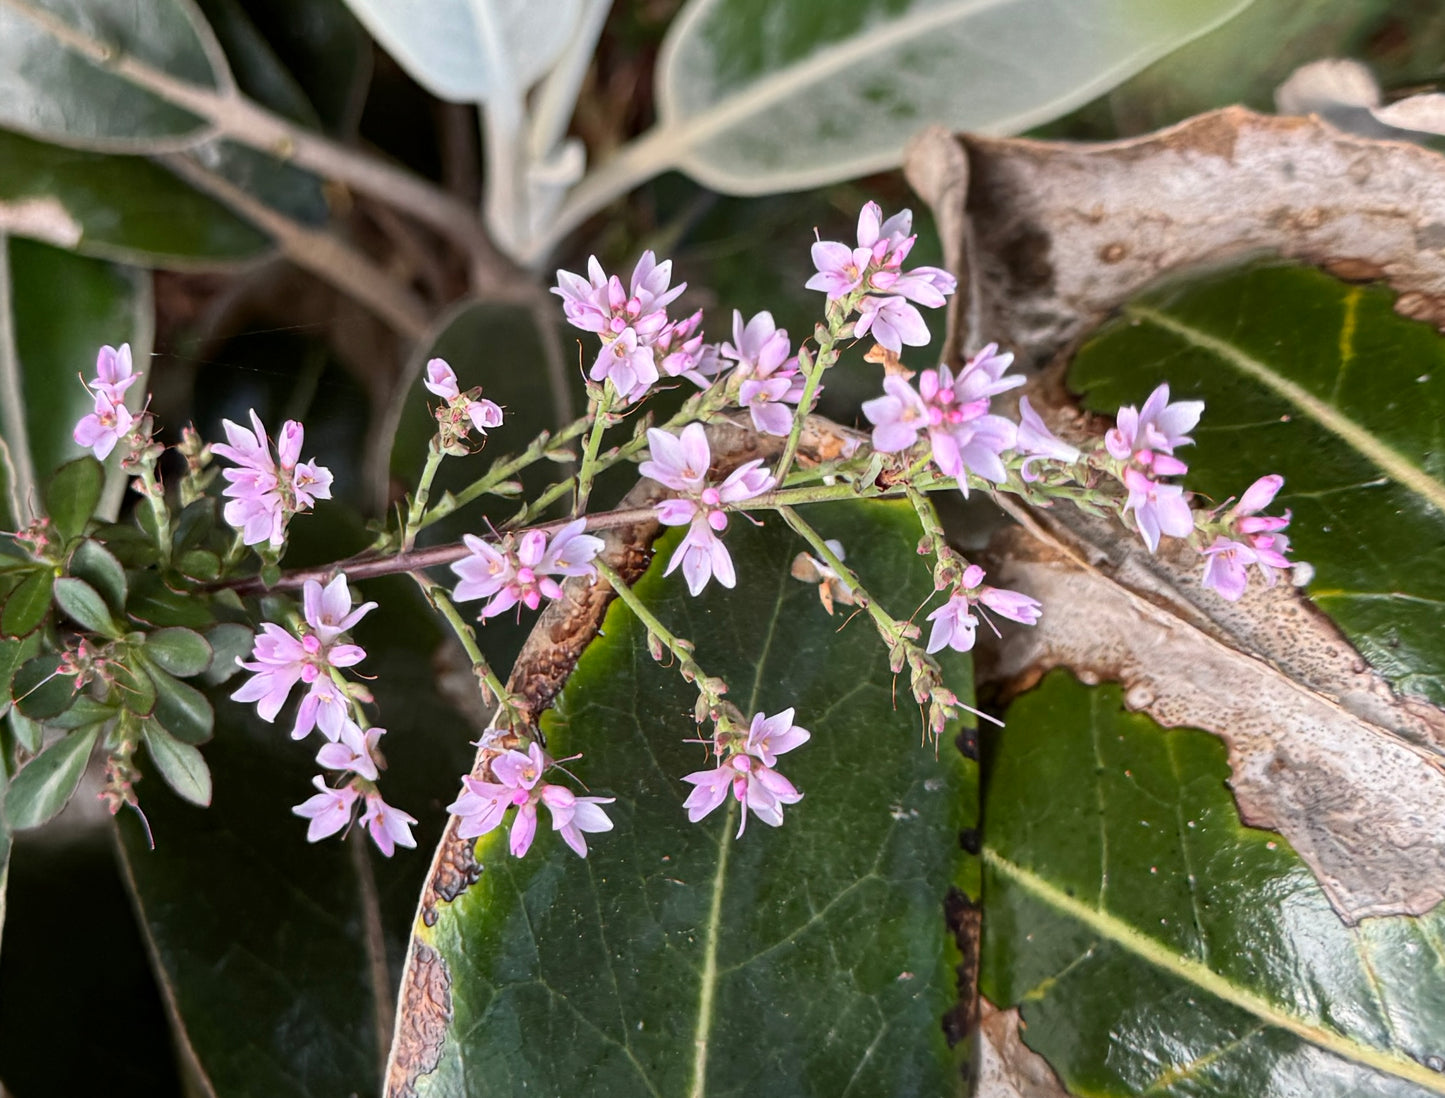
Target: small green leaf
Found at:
134, 687
39, 690
84, 711
180, 764
13, 652
199, 564
230, 641
182, 652
26, 607
28, 734
152, 602
182, 709
193, 524
97, 565
48, 781
84, 606
72, 495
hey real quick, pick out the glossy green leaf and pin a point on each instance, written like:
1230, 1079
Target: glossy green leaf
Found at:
1159, 946
180, 708
676, 959
152, 602
84, 606
84, 711
180, 764
755, 96
25, 606
13, 652
28, 734
134, 687
56, 309
182, 652
39, 690
470, 52
1323, 382
58, 79
48, 781
97, 565
270, 946
72, 495
124, 208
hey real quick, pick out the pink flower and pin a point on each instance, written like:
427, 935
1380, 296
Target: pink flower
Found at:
1263, 545
841, 269
389, 827
329, 810
1159, 426
890, 241
1226, 568
353, 750
954, 625
628, 362
769, 737
1037, 442
484, 414
759, 346
893, 322
264, 495
929, 286
483, 805
328, 609
522, 573
113, 372
441, 380
768, 371
747, 771
1013, 605
103, 428
681, 463
1158, 508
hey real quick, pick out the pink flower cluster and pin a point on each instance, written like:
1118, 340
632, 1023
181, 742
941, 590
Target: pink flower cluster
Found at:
264, 492
111, 420
874, 267
523, 572
767, 372
746, 769
963, 437
640, 344
279, 660
1258, 540
955, 623
461, 408
1143, 443
483, 805
681, 462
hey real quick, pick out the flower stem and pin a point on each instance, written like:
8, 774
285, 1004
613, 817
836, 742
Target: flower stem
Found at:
827, 354
492, 686
416, 509
600, 422
156, 496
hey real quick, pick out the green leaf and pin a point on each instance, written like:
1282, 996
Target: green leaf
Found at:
59, 79
97, 565
229, 642
84, 711
265, 941
48, 781
327, 51
13, 652
820, 948
39, 690
26, 606
444, 45
134, 686
152, 602
1323, 382
180, 764
28, 734
1157, 945
182, 709
124, 208
755, 96
84, 606
72, 495
58, 308
182, 652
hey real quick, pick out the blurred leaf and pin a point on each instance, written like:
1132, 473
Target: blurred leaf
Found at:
1353, 396
269, 947
59, 80
258, 71
26, 605
229, 642
1156, 945
124, 208
13, 652
468, 52
61, 309
820, 948
181, 709
84, 606
95, 564
182, 652
326, 50
180, 764
48, 781
756, 97
72, 495
39, 690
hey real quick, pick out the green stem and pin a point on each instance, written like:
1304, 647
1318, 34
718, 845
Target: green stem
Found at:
417, 508
827, 355
156, 495
600, 422
467, 635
